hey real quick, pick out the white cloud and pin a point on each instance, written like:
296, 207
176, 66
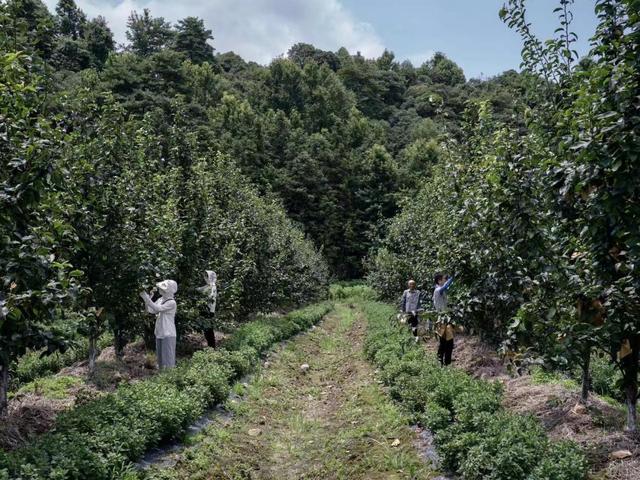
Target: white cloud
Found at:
258, 30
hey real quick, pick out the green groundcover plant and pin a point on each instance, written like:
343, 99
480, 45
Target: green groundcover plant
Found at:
35, 364
101, 439
475, 436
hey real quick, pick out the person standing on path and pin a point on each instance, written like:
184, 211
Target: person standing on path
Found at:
445, 329
165, 309
410, 305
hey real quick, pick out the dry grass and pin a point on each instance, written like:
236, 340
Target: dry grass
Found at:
29, 415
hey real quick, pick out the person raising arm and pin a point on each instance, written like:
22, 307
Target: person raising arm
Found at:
445, 328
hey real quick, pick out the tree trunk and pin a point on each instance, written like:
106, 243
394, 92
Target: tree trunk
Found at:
4, 388
93, 353
149, 336
630, 383
119, 343
632, 414
586, 377
210, 335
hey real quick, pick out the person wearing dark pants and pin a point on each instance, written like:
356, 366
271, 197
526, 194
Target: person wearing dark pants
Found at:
444, 328
413, 321
210, 289
445, 348
410, 305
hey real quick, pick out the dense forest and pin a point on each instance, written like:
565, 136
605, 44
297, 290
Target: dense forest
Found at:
163, 158
191, 158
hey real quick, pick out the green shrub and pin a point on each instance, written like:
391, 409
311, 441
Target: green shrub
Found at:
475, 437
478, 397
454, 443
563, 461
264, 332
449, 385
510, 447
434, 417
100, 438
35, 364
242, 361
51, 387
354, 291
606, 377
257, 335
211, 382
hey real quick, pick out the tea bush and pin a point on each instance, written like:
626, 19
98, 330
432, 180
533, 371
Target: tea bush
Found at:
100, 439
352, 290
475, 437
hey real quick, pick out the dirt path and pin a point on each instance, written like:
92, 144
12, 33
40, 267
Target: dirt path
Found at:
330, 421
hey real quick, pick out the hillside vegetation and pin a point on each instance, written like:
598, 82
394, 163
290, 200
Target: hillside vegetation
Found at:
122, 165
541, 227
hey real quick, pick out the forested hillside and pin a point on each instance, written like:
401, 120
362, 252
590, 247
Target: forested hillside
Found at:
163, 157
125, 164
336, 137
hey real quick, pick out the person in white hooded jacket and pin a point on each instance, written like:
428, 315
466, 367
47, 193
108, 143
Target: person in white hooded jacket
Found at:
165, 309
211, 291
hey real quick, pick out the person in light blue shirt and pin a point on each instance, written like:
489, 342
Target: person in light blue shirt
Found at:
440, 299
444, 329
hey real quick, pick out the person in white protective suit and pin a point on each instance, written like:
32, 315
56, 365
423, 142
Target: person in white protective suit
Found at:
211, 290
165, 309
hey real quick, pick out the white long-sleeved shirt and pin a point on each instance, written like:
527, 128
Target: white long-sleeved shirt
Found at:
166, 316
212, 296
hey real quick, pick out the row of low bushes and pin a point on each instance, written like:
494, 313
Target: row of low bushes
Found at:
35, 364
100, 439
351, 290
475, 436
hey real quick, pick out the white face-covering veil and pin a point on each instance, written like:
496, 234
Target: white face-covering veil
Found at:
210, 277
211, 289
167, 288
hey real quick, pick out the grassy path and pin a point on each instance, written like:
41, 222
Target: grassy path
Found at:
333, 421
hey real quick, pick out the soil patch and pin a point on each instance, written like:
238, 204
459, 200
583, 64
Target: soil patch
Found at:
598, 428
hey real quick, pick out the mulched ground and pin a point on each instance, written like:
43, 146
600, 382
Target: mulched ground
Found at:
598, 428
32, 413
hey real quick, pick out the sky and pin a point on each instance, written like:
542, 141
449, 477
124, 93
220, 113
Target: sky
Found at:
467, 31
